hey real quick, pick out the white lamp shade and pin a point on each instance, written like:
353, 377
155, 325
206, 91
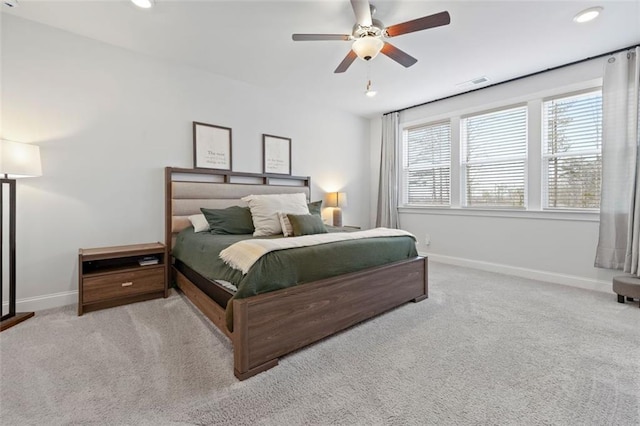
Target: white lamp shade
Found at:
18, 160
336, 199
145, 4
367, 47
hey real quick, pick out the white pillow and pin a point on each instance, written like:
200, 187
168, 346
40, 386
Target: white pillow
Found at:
265, 208
287, 229
199, 222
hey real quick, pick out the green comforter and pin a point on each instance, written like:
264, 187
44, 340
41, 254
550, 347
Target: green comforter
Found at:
286, 268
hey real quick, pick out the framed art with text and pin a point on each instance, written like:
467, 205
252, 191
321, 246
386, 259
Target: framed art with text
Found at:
276, 155
211, 146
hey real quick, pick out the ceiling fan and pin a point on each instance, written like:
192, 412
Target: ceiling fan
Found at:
368, 35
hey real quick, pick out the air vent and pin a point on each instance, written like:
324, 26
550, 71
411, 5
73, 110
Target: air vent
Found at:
480, 80
10, 3
470, 84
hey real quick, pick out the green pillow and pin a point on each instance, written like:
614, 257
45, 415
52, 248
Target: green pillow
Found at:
232, 220
315, 208
306, 224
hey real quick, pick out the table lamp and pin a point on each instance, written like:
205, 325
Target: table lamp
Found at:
337, 200
17, 160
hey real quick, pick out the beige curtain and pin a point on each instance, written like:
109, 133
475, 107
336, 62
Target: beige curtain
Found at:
619, 235
389, 172
632, 255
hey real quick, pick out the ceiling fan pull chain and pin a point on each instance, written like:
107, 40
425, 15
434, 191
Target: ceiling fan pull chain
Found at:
370, 92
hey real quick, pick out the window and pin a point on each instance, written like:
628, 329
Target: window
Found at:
493, 158
427, 165
572, 147
534, 153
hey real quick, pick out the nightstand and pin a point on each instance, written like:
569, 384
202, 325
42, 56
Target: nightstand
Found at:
113, 276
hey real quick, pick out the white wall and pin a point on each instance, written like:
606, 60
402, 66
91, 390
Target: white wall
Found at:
108, 121
535, 244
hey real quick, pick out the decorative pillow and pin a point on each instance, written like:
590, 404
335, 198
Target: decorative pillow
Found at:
232, 220
287, 230
199, 222
306, 224
265, 208
315, 208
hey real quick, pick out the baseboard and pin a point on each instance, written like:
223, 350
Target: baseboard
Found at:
551, 277
47, 301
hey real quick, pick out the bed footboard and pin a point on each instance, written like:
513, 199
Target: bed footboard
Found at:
270, 325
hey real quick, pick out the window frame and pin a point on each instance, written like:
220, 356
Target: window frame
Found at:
404, 170
546, 156
463, 164
467, 105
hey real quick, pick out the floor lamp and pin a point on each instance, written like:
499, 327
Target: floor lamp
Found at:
17, 160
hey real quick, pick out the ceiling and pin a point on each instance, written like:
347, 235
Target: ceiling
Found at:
251, 41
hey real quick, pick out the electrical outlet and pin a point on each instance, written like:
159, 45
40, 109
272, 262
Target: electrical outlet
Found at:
427, 239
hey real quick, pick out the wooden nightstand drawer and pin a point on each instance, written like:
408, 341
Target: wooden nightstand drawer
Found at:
123, 284
113, 276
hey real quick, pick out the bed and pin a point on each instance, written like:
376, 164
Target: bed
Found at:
267, 326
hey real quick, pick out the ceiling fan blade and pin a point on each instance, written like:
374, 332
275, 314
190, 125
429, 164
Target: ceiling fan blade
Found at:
346, 62
398, 55
314, 37
419, 24
362, 11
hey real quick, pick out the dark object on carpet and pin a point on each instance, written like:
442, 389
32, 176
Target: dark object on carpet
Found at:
626, 286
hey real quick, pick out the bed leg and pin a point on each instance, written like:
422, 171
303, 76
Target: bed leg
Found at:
620, 298
253, 371
425, 277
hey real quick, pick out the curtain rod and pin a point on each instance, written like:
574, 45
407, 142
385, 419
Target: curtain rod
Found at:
517, 78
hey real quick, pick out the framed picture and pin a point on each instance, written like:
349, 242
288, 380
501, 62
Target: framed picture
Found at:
211, 146
276, 155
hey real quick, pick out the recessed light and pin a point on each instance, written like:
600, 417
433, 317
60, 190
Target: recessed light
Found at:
587, 15
145, 4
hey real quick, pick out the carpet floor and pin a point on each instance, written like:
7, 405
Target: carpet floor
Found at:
485, 348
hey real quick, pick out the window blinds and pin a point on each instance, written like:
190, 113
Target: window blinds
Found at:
572, 143
428, 165
494, 156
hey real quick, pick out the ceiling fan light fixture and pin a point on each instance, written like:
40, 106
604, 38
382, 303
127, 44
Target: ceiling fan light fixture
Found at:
143, 4
587, 15
367, 47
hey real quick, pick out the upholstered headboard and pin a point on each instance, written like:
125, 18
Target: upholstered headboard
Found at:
187, 190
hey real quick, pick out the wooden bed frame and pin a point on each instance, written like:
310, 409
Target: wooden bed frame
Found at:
271, 325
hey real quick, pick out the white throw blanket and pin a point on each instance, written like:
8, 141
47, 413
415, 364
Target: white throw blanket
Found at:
243, 254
